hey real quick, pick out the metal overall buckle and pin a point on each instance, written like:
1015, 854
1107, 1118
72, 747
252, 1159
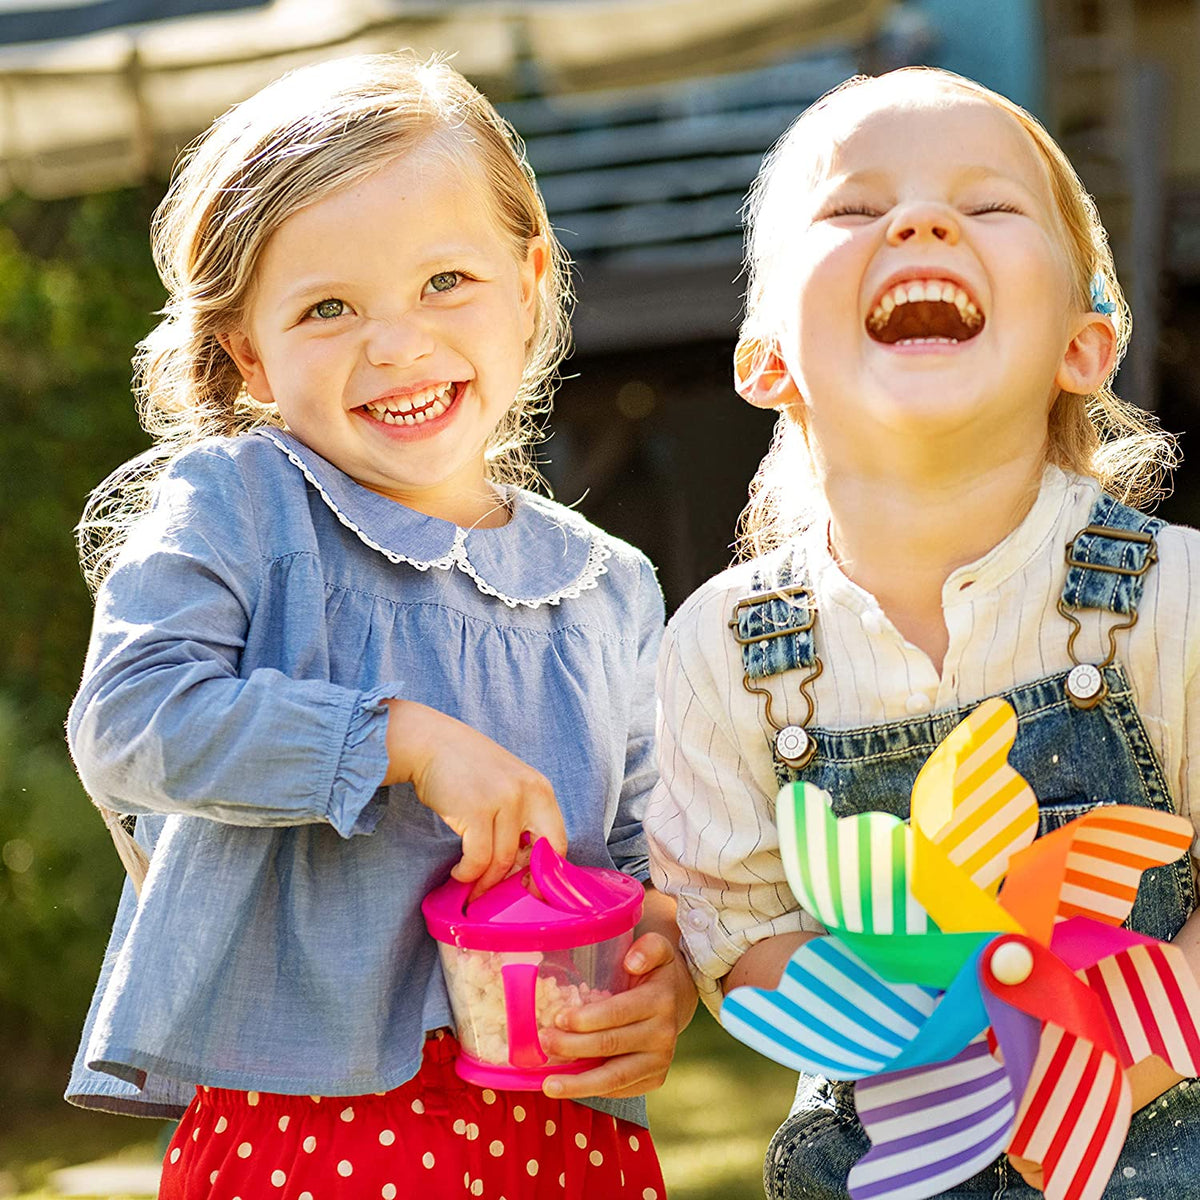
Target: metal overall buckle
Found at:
1086, 686
794, 747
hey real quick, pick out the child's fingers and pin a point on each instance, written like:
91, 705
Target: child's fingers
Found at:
628, 1075
476, 851
544, 819
649, 952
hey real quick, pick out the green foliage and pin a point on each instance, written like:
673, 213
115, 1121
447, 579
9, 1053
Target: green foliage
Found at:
77, 292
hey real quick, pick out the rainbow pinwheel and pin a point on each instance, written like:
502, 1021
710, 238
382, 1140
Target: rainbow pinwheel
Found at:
976, 1021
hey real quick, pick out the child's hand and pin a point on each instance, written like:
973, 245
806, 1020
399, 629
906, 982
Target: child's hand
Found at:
635, 1030
488, 796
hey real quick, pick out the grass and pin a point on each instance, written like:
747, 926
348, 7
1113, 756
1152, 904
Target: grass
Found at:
711, 1121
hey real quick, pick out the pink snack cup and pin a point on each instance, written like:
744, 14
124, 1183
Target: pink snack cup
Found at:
552, 937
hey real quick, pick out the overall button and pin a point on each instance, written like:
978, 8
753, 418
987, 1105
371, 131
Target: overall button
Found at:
918, 702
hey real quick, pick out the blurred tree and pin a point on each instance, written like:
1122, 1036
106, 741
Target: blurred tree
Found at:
77, 291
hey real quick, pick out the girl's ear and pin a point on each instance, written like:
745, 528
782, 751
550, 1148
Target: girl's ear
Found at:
240, 348
530, 273
1090, 355
760, 375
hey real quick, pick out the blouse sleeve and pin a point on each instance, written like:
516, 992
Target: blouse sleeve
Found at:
627, 839
163, 721
711, 819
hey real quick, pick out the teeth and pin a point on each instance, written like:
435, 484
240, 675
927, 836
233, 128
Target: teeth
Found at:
925, 289
414, 408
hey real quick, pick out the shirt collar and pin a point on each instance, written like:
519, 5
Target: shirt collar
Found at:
1030, 539
545, 554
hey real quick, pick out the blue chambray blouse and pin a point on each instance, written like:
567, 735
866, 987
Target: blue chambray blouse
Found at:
231, 699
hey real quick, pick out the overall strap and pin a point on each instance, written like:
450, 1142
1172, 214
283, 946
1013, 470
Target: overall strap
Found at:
773, 626
1107, 562
1108, 559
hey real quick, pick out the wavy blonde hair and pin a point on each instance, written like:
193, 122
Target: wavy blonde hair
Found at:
1100, 435
313, 132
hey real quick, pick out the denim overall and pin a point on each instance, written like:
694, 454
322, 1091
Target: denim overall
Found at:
1074, 758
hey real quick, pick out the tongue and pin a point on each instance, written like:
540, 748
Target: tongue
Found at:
922, 319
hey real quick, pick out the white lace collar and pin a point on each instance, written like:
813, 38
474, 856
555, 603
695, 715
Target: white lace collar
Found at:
544, 555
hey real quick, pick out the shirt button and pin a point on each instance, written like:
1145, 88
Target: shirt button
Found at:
696, 919
918, 702
872, 622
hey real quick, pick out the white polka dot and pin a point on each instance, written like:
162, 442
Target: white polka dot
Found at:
347, 1114
195, 1135
284, 1121
345, 1168
472, 1131
562, 1180
460, 1126
466, 1179
245, 1150
386, 1137
649, 1194
305, 1196
175, 1154
221, 1125
315, 1099
252, 1099
477, 1187
622, 1178
309, 1144
389, 1191
595, 1158
634, 1144
580, 1140
207, 1088
213, 1177
518, 1113
550, 1128
532, 1166
278, 1178
418, 1107
427, 1160
489, 1097
496, 1148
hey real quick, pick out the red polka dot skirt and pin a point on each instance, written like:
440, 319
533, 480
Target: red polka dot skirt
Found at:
434, 1137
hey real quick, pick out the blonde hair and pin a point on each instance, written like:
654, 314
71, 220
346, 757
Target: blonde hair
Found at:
312, 132
1100, 435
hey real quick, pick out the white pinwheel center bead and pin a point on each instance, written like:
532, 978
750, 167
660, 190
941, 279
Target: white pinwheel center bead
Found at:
1012, 963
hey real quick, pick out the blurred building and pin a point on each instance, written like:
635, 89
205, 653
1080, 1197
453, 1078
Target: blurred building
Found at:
646, 121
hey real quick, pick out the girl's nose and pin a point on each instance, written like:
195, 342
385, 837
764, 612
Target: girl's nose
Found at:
923, 222
397, 342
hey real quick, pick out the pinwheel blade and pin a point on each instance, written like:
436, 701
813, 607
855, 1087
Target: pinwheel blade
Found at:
932, 1126
969, 802
1152, 1002
830, 1015
1091, 867
851, 873
1074, 1117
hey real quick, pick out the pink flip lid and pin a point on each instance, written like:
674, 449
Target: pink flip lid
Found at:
579, 906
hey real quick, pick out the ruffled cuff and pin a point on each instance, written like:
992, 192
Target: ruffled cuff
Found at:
357, 798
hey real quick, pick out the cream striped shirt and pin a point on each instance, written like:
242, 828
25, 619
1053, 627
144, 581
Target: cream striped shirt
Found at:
713, 842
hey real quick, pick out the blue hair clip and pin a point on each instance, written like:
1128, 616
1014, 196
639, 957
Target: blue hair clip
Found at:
1099, 303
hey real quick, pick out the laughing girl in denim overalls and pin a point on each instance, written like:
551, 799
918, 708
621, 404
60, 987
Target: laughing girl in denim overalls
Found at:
944, 515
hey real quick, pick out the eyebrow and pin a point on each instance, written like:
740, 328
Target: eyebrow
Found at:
976, 173
443, 258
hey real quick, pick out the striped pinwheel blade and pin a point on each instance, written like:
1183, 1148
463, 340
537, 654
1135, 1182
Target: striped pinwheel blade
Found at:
932, 1126
1152, 1002
851, 874
830, 1015
1091, 867
967, 799
1075, 1115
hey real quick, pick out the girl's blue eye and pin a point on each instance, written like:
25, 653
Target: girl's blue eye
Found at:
444, 281
328, 309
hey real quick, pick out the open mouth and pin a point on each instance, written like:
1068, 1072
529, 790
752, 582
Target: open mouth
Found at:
923, 312
415, 408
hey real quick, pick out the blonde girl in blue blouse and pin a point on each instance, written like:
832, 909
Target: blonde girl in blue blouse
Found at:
340, 653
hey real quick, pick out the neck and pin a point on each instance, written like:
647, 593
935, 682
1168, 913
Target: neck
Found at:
900, 534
